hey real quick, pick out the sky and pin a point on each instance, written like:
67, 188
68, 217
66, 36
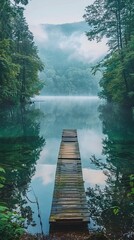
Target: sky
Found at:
55, 11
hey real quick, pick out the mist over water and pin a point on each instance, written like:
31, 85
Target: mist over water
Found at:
64, 98
30, 141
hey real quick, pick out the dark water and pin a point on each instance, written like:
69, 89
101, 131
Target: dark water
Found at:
29, 143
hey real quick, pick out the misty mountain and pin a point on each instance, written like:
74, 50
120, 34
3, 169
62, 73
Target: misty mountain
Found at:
68, 57
67, 28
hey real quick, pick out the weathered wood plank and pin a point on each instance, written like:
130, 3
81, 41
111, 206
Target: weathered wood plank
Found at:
71, 215
69, 199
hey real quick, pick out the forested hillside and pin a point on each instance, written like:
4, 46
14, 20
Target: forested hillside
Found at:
114, 19
68, 58
19, 61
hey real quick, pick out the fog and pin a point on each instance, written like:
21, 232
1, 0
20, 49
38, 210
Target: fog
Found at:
68, 57
72, 40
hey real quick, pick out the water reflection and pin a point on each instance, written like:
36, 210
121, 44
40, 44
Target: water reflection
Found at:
90, 141
27, 160
93, 177
65, 113
46, 173
30, 165
112, 208
20, 146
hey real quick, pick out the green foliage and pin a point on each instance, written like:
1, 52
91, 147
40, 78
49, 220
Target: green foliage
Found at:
9, 72
112, 82
24, 2
116, 210
20, 146
115, 87
111, 206
131, 184
2, 170
11, 222
69, 80
114, 20
19, 61
2, 178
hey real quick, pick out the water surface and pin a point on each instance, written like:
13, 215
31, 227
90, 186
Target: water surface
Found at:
60, 113
30, 138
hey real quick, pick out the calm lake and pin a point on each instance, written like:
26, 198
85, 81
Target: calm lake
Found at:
29, 144
60, 113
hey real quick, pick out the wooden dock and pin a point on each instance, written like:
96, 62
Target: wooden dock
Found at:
69, 205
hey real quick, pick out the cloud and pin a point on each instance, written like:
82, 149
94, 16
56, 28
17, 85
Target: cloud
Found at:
39, 33
81, 48
76, 45
46, 172
90, 141
93, 177
49, 153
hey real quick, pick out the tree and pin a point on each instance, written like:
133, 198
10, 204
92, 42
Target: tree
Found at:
25, 52
24, 2
19, 58
8, 74
20, 146
111, 207
114, 20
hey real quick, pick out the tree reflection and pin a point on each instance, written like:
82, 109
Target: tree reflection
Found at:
20, 146
112, 208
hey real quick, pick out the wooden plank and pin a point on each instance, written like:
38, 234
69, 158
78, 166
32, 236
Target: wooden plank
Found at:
61, 194
70, 206
69, 155
66, 133
71, 215
69, 198
69, 139
66, 200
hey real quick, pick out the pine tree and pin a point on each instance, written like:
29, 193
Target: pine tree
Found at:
113, 19
19, 60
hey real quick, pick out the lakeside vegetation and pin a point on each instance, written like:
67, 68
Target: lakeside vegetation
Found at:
112, 207
113, 20
20, 147
19, 67
19, 80
19, 60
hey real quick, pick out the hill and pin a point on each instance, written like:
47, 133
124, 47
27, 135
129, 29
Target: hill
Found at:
68, 57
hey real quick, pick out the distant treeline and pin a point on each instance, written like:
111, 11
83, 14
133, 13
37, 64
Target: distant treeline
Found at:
74, 78
114, 19
19, 61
